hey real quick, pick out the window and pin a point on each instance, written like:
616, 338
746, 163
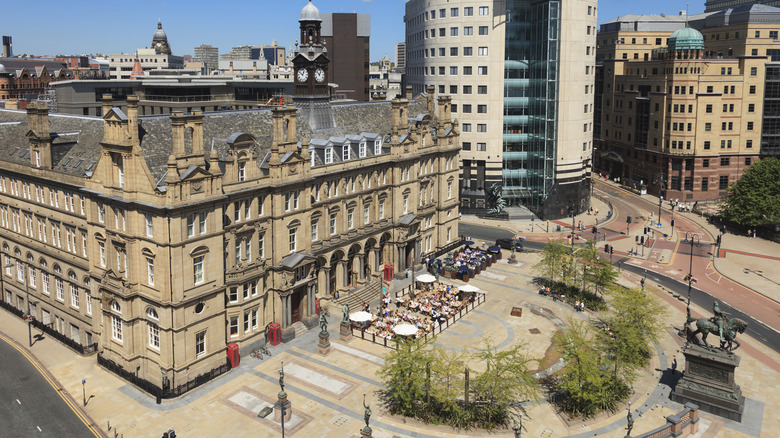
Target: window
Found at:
153, 328
708, 126
753, 71
466, 146
381, 209
747, 161
150, 271
724, 161
197, 270
468, 30
261, 245
705, 184
724, 182
467, 89
482, 70
773, 34
468, 11
333, 226
453, 31
468, 51
233, 326
752, 89
101, 212
467, 69
350, 218
481, 127
366, 215
453, 12
483, 30
200, 344
482, 51
483, 10
102, 254
482, 89
406, 204
328, 155
467, 108
749, 144
453, 70
749, 126
345, 150
377, 147
751, 107
74, 295
116, 321
149, 225
709, 108
293, 237
315, 225
242, 171
482, 109
482, 147
707, 144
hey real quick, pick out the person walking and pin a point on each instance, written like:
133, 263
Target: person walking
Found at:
674, 365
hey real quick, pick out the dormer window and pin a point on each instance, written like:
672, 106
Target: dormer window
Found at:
377, 147
120, 168
345, 152
242, 171
328, 155
362, 151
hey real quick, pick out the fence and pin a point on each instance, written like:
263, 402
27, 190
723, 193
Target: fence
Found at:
681, 424
81, 349
157, 392
393, 343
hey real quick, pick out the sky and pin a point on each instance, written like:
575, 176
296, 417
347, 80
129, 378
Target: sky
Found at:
48, 27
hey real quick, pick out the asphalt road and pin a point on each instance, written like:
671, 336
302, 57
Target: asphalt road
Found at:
479, 233
30, 406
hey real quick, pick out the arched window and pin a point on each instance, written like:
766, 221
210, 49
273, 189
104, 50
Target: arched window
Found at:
153, 328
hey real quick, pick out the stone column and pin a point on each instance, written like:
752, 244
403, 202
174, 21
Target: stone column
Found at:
326, 271
289, 310
362, 263
284, 311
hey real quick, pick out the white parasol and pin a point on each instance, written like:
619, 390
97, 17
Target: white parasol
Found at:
426, 278
468, 288
405, 330
360, 316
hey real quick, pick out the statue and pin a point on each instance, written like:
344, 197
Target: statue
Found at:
495, 201
630, 421
720, 324
518, 429
323, 323
367, 413
345, 311
281, 377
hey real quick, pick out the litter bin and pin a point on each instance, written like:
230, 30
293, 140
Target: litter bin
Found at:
275, 333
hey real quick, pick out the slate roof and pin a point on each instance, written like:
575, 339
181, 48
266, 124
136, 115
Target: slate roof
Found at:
76, 139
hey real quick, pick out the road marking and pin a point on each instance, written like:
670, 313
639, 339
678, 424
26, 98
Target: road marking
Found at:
17, 400
39, 428
79, 414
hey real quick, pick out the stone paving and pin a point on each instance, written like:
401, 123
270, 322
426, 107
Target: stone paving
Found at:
326, 392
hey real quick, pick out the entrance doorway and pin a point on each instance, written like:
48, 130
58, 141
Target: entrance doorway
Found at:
297, 305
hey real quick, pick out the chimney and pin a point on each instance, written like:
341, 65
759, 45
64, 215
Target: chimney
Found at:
39, 135
408, 91
444, 114
132, 118
108, 103
400, 118
431, 103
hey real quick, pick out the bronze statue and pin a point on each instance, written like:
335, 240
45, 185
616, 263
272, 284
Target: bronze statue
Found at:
720, 324
630, 421
367, 413
281, 377
345, 311
323, 322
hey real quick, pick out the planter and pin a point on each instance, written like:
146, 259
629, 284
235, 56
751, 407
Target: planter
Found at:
471, 273
465, 277
453, 274
484, 265
477, 270
498, 256
490, 261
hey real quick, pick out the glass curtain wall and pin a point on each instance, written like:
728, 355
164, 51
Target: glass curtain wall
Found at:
530, 101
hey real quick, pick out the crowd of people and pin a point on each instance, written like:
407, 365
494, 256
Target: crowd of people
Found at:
426, 309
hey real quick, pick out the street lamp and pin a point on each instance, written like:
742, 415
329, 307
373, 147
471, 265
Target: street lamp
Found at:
692, 237
571, 211
28, 318
660, 181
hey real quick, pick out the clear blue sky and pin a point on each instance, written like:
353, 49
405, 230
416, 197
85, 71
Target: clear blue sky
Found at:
49, 27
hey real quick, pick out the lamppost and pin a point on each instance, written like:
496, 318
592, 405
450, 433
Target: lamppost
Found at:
660, 181
28, 317
692, 237
571, 212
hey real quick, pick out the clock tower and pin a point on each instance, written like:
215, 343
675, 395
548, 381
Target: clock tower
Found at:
310, 60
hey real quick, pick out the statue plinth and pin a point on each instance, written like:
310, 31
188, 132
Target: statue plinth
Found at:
709, 382
282, 402
345, 331
323, 347
366, 432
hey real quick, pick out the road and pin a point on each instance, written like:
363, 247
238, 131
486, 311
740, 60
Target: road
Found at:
30, 405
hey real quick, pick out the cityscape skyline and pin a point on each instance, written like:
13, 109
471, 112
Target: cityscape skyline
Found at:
70, 31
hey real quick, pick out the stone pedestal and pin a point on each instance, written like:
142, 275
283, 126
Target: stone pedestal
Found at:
323, 347
282, 402
366, 432
345, 331
709, 382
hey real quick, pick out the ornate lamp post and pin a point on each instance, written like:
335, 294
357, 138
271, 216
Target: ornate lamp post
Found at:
689, 236
660, 181
571, 212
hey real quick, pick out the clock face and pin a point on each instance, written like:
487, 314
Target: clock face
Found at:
319, 75
303, 75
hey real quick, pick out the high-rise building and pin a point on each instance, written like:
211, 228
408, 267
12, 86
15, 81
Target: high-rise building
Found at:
207, 54
347, 42
400, 56
8, 47
719, 5
685, 104
522, 82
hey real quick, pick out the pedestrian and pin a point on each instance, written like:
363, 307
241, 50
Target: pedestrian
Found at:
754, 233
674, 365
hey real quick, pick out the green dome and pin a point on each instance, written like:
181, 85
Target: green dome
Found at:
686, 39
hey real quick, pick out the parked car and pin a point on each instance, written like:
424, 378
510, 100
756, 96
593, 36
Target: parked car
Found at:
511, 244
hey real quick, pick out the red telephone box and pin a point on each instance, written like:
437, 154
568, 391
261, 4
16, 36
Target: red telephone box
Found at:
232, 354
389, 272
275, 333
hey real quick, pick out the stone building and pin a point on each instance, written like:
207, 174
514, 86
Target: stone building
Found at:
685, 111
158, 57
162, 238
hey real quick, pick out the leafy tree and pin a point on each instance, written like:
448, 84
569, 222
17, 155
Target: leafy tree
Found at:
754, 200
505, 381
554, 257
404, 376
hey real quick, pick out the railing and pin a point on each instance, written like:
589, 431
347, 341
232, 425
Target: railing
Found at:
163, 98
393, 343
79, 348
157, 392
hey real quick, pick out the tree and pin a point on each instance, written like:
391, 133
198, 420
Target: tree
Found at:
404, 377
754, 200
505, 382
554, 257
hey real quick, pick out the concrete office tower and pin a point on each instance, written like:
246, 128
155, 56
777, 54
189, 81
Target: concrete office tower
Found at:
521, 80
207, 54
400, 55
347, 40
8, 47
698, 109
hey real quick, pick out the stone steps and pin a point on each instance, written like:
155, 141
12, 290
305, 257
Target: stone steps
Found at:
368, 293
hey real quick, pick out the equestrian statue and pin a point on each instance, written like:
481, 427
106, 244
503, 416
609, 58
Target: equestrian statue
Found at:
719, 324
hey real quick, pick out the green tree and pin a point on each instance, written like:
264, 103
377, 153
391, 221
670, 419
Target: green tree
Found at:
555, 256
505, 381
754, 200
404, 377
